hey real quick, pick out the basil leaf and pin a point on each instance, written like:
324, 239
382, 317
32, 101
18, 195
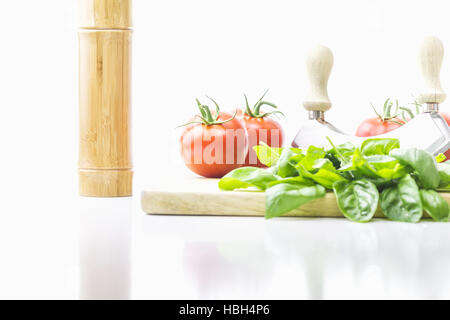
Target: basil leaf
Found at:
298, 180
386, 167
336, 162
422, 163
312, 154
444, 174
440, 157
382, 183
321, 171
324, 164
347, 166
326, 178
290, 158
268, 155
379, 146
294, 160
272, 170
346, 149
378, 166
402, 202
285, 197
359, 162
246, 177
357, 200
285, 168
351, 175
323, 177
435, 205
341, 155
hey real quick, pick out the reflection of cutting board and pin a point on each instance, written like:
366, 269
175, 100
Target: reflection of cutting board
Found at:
202, 197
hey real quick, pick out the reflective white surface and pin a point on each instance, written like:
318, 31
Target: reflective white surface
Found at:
105, 248
212, 257
108, 248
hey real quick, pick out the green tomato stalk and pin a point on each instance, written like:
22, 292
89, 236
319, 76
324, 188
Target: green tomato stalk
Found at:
392, 111
206, 117
256, 112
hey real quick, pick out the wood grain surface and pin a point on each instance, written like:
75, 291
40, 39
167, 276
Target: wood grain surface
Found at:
430, 60
199, 196
105, 168
105, 14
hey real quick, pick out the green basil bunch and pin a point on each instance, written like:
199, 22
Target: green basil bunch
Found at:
403, 182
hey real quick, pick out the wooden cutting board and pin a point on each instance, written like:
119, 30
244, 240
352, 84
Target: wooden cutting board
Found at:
200, 196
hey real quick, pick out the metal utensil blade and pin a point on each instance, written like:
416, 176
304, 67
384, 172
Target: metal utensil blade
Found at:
428, 131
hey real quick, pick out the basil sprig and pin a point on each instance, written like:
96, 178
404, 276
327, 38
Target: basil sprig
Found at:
378, 173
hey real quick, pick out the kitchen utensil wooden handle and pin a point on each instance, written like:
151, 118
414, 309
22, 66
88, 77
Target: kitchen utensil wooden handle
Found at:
430, 60
318, 66
105, 168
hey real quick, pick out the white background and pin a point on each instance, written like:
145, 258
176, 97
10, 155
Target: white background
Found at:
182, 50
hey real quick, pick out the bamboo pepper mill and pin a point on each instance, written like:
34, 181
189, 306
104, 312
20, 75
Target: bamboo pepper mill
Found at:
105, 168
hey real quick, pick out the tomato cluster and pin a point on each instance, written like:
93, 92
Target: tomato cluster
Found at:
214, 143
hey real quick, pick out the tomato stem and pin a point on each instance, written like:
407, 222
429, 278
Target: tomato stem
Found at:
206, 117
408, 111
256, 112
400, 115
391, 115
217, 107
376, 112
247, 108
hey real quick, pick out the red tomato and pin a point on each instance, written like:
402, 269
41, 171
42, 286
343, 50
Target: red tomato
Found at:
260, 130
375, 126
214, 150
446, 117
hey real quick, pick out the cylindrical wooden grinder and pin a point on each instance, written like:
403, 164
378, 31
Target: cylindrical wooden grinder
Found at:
105, 168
